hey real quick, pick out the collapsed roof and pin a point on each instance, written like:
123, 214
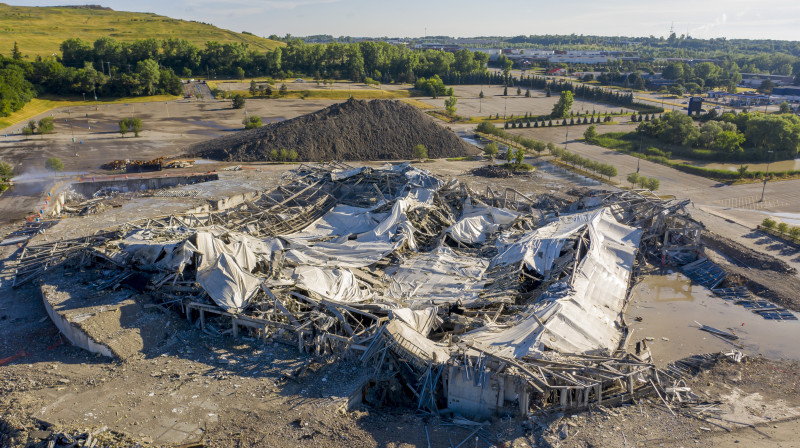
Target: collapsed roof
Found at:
396, 260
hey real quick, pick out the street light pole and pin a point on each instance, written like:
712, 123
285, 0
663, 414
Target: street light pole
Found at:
765, 178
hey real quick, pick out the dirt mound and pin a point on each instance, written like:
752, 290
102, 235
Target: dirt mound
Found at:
354, 130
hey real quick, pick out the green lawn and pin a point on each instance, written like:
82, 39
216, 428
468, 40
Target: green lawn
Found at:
39, 31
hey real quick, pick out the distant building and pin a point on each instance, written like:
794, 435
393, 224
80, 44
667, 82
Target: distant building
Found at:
556, 72
755, 79
790, 93
739, 99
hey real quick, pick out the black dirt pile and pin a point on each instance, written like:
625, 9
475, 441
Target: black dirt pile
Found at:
354, 130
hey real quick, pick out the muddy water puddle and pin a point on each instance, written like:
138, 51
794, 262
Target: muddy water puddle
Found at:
669, 305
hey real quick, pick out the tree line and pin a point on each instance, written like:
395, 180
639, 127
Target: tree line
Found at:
742, 136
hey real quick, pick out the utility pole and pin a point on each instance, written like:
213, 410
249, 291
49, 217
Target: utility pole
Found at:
766, 175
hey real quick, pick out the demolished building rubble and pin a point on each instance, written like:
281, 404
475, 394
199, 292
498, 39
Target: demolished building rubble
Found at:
475, 303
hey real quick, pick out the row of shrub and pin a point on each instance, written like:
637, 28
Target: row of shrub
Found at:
528, 143
601, 169
780, 229
536, 123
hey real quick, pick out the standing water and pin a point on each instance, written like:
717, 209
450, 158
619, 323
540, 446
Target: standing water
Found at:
669, 305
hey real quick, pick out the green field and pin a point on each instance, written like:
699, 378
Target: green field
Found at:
40, 30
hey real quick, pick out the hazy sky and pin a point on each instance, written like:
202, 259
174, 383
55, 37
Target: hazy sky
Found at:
776, 19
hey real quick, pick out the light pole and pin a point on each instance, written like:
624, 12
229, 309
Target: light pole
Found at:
766, 175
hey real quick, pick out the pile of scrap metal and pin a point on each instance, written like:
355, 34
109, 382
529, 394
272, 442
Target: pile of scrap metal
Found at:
475, 303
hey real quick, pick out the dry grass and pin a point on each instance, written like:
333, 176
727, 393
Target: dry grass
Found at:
358, 94
41, 105
39, 31
418, 104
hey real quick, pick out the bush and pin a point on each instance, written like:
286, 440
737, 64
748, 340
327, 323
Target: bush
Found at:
6, 171
783, 227
46, 125
252, 122
54, 164
238, 101
130, 125
768, 223
490, 150
590, 134
420, 152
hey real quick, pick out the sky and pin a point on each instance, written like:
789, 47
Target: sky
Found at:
750, 19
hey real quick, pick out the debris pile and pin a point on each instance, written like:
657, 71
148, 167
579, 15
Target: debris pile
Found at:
134, 165
496, 171
354, 130
477, 303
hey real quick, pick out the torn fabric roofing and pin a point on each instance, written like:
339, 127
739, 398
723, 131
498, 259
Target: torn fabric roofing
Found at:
581, 317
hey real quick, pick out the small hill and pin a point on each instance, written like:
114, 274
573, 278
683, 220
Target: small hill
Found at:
40, 30
354, 130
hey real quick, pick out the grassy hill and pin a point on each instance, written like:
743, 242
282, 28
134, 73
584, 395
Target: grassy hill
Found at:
40, 30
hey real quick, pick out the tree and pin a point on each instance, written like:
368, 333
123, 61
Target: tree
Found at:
794, 232
490, 150
742, 170
130, 125
520, 156
54, 164
766, 86
15, 53
238, 101
783, 227
768, 223
784, 108
29, 129
527, 93
505, 91
253, 87
480, 95
673, 71
283, 90
6, 172
590, 134
46, 125
519, 91
653, 184
729, 142
420, 152
450, 105
252, 122
148, 73
509, 154
564, 104
633, 178
268, 91
135, 125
